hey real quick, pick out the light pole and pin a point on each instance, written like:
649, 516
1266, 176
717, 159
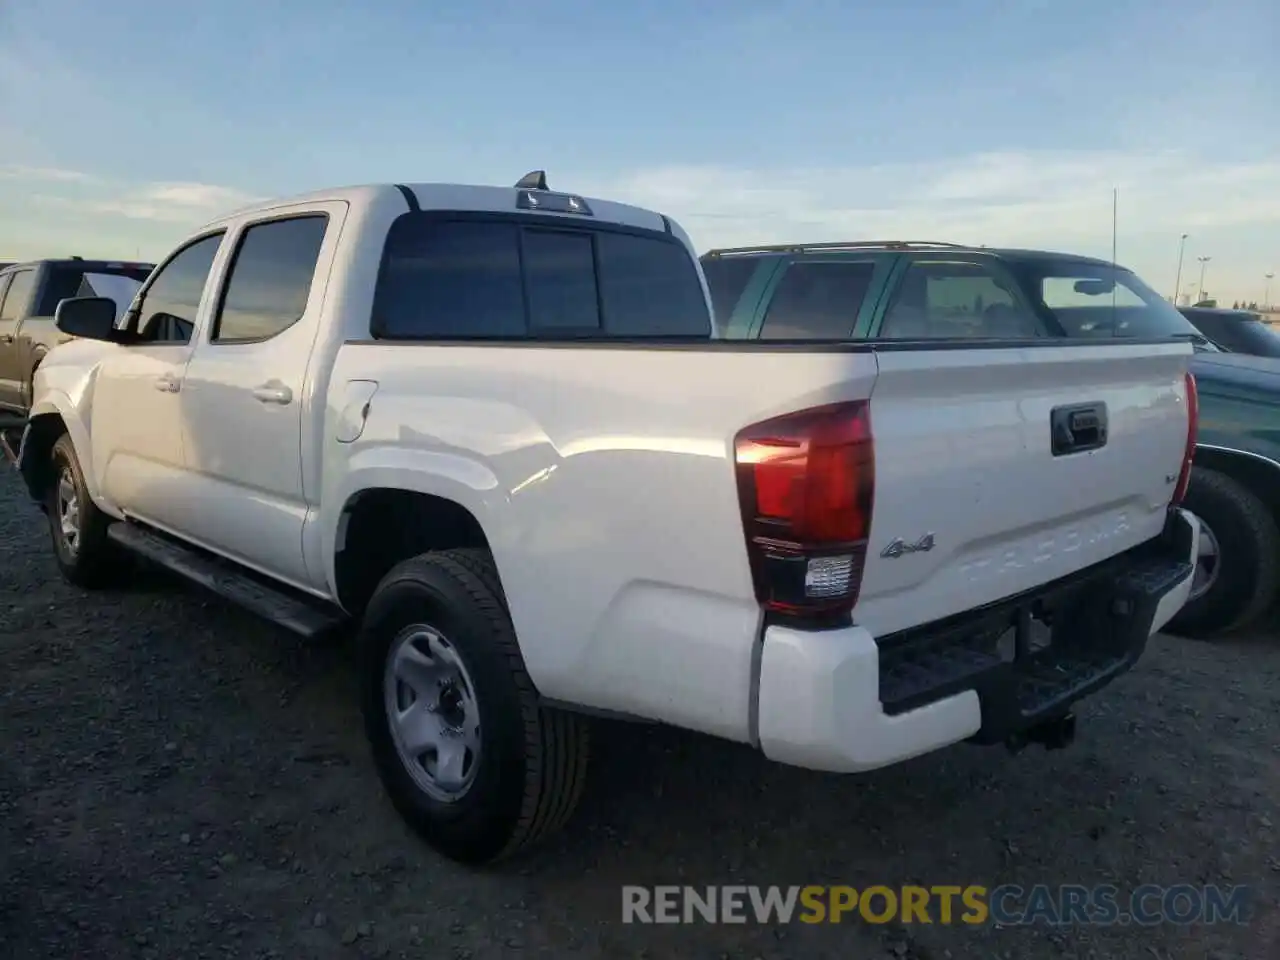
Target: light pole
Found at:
1266, 292
1177, 282
1203, 263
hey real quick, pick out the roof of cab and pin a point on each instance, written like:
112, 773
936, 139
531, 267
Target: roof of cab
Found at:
447, 196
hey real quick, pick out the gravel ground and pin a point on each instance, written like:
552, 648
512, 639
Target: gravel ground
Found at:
178, 780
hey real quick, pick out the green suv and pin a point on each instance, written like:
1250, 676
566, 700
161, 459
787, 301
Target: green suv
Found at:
916, 291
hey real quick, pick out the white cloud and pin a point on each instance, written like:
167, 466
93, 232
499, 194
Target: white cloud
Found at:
1059, 200
168, 202
995, 198
176, 202
19, 172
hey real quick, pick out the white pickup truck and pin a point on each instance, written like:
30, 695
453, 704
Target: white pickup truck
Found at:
493, 427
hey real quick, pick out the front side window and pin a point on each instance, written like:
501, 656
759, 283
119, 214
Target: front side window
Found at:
169, 306
1099, 300
954, 300
269, 282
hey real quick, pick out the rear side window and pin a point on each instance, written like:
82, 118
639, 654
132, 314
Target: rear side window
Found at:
512, 279
270, 281
726, 279
817, 301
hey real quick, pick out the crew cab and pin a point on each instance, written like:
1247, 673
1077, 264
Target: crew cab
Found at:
495, 428
29, 295
892, 290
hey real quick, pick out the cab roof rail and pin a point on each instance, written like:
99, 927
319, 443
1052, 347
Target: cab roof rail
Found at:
840, 245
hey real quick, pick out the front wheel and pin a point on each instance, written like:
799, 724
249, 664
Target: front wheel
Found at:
78, 529
469, 757
1238, 571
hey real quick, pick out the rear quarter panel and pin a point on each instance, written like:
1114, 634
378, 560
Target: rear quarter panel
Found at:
604, 480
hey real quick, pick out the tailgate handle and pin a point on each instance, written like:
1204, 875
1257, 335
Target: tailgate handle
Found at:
1077, 428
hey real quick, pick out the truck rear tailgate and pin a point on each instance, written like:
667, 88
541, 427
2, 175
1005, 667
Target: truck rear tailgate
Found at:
973, 502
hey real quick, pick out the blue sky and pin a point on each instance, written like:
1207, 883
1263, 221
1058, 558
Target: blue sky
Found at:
125, 124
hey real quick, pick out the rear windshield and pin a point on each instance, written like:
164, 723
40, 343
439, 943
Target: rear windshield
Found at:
1250, 335
66, 280
534, 278
1098, 300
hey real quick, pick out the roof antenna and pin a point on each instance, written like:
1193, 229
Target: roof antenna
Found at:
534, 180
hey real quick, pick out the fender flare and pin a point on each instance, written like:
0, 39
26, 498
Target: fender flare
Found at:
55, 402
463, 480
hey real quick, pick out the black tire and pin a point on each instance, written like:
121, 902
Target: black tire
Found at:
1248, 571
92, 560
532, 760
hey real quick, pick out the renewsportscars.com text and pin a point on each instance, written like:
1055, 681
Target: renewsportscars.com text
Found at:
1007, 905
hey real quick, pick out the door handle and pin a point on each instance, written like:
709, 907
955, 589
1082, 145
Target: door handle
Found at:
167, 383
273, 392
1078, 428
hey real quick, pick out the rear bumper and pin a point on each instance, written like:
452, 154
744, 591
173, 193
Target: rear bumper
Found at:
843, 700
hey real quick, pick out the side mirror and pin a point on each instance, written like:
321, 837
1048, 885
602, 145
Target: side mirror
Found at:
89, 318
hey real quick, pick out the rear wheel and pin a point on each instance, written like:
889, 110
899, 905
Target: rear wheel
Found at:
469, 757
1238, 570
78, 529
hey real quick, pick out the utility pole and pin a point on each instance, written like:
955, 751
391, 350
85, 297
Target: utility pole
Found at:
1204, 261
1177, 282
1266, 292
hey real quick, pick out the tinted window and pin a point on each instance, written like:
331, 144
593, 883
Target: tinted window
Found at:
650, 288
270, 280
18, 295
1238, 332
1259, 339
450, 279
1098, 300
560, 277
817, 301
726, 279
467, 278
67, 280
955, 299
169, 307
1217, 328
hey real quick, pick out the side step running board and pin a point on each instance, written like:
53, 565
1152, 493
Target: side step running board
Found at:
293, 613
11, 425
9, 440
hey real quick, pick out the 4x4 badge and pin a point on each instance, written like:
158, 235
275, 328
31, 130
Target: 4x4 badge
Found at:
898, 547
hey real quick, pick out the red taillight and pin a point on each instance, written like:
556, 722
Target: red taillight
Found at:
1193, 428
805, 486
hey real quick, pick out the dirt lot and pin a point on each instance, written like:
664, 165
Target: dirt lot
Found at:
177, 780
